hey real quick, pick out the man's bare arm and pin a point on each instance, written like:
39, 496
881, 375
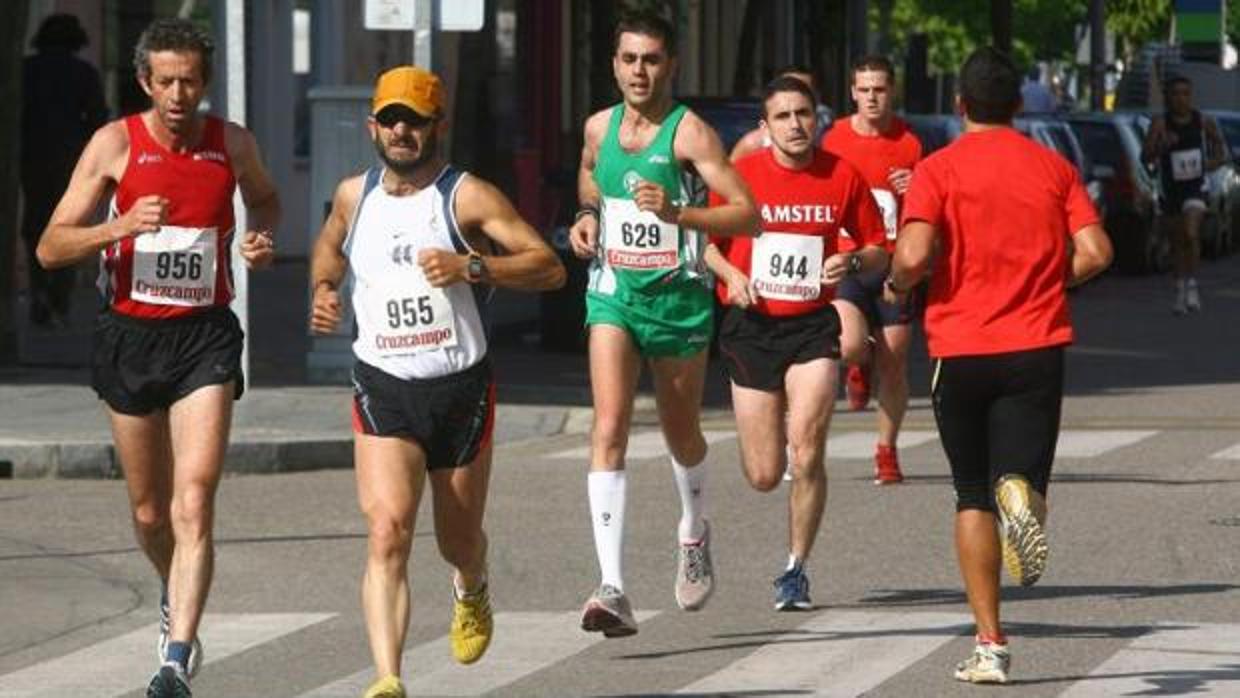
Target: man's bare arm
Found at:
529, 264
327, 261
68, 237
698, 144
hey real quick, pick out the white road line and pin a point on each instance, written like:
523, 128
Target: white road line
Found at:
642, 445
1088, 443
844, 653
860, 444
1174, 659
125, 663
1232, 453
524, 643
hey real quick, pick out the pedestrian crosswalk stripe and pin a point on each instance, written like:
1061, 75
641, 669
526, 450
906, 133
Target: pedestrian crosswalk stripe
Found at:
844, 653
1232, 453
860, 444
1089, 443
524, 642
123, 664
1197, 658
1073, 443
645, 444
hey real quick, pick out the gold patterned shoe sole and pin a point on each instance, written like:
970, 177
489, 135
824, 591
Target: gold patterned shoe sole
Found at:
1022, 513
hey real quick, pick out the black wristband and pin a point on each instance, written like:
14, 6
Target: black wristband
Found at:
586, 210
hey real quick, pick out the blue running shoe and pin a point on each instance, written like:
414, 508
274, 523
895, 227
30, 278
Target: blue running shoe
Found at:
792, 591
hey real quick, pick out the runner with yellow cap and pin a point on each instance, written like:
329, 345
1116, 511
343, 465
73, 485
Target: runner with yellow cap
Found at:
410, 234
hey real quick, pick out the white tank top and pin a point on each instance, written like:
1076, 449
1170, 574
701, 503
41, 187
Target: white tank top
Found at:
405, 327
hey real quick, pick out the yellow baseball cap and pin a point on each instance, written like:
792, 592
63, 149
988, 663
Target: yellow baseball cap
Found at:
411, 86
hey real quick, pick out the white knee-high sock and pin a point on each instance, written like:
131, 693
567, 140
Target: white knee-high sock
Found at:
607, 490
689, 484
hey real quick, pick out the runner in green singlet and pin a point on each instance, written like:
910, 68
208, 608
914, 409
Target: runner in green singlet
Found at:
643, 221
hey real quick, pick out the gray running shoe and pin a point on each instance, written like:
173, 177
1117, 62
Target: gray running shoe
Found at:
608, 611
169, 682
695, 576
161, 649
988, 664
1022, 528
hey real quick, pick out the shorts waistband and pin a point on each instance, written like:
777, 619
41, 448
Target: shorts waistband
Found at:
212, 314
482, 367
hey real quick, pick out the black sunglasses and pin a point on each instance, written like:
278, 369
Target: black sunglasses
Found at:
388, 117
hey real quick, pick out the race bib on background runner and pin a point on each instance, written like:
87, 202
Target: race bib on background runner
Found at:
175, 266
786, 266
1186, 164
637, 239
410, 316
890, 209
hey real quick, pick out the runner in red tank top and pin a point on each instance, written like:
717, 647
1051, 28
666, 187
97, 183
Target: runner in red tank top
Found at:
168, 348
881, 146
779, 336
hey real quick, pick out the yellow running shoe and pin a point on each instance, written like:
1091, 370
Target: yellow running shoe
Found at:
471, 626
1022, 528
386, 687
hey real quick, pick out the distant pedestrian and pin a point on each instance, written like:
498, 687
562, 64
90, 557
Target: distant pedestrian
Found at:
62, 105
1004, 225
1035, 96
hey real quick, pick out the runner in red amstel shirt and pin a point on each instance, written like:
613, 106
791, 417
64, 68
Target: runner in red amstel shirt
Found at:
779, 336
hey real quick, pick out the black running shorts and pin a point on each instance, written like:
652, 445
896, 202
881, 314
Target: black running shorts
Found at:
758, 349
865, 290
998, 415
451, 417
139, 366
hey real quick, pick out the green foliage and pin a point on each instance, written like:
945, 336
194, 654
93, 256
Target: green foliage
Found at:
1042, 29
1136, 22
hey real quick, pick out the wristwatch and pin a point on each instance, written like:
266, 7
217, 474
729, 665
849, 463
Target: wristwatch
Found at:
474, 268
854, 263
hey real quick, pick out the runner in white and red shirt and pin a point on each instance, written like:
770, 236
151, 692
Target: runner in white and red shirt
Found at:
779, 336
167, 348
883, 148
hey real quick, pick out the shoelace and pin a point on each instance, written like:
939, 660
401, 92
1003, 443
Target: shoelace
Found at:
471, 621
696, 565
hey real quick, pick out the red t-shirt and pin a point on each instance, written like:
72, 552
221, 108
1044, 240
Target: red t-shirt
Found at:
875, 157
186, 267
796, 204
1005, 208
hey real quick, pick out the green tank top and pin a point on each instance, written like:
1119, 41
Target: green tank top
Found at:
636, 249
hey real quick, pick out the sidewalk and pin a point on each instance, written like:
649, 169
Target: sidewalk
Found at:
53, 425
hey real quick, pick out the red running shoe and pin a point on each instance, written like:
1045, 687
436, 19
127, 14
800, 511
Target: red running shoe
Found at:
886, 466
857, 386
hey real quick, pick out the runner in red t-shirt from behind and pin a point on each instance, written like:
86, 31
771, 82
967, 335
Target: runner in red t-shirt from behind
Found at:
779, 336
1014, 227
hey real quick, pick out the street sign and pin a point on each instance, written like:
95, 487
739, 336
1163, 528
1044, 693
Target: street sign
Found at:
401, 15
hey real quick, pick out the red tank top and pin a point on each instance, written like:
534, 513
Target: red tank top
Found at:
875, 157
185, 268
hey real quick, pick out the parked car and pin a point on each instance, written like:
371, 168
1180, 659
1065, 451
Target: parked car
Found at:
934, 130
1226, 179
1053, 132
1129, 198
729, 116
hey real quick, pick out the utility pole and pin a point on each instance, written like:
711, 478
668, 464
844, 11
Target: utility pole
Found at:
1097, 54
424, 21
1001, 25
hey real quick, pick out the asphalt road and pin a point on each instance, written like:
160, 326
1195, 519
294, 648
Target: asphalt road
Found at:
1142, 596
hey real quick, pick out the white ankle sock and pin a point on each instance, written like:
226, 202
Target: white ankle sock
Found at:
607, 490
689, 484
